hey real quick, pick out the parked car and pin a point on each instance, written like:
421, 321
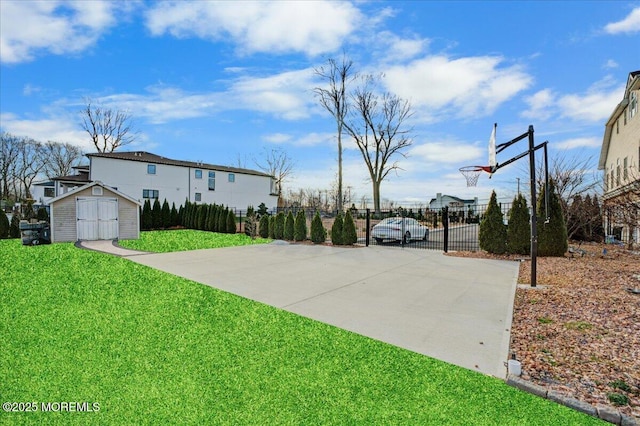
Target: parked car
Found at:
400, 229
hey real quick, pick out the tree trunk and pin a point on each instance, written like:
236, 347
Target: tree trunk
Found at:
339, 205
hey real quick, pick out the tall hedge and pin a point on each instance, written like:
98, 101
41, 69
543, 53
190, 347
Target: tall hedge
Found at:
146, 218
232, 227
300, 232
272, 227
493, 234
336, 230
289, 227
42, 214
318, 233
263, 227
165, 214
519, 229
4, 225
156, 215
552, 236
278, 227
14, 226
349, 234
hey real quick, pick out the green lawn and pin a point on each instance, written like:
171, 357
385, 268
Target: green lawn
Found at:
152, 348
187, 239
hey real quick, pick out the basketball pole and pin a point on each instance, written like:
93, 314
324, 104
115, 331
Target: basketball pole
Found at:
534, 219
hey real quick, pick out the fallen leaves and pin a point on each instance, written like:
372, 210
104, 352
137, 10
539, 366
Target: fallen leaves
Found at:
578, 331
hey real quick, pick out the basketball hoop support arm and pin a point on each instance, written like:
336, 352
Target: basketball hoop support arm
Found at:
532, 173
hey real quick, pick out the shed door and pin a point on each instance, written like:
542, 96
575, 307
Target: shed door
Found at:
97, 218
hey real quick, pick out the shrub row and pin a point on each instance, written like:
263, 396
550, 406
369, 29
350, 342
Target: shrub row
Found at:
515, 238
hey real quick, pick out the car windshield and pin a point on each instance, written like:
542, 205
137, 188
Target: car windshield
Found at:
391, 221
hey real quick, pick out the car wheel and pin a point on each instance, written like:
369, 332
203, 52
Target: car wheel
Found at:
407, 237
378, 240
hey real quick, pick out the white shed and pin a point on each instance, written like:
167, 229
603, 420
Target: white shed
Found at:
94, 212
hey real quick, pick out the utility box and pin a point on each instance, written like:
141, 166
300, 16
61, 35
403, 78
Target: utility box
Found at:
34, 234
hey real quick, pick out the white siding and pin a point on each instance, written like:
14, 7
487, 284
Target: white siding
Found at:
176, 183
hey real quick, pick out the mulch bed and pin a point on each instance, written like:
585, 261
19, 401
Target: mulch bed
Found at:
578, 331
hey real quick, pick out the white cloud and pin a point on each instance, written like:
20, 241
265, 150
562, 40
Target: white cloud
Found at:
466, 87
595, 105
257, 26
447, 152
277, 138
396, 48
630, 24
592, 142
59, 27
610, 64
58, 129
540, 104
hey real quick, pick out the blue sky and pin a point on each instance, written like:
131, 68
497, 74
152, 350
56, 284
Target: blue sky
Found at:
220, 82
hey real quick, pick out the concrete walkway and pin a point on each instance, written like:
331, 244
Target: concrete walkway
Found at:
108, 246
455, 309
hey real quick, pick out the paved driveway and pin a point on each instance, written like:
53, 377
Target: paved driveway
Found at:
455, 309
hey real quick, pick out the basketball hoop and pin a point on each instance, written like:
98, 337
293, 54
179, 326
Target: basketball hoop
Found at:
472, 173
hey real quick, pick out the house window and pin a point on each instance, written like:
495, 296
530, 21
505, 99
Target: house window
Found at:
49, 192
618, 174
198, 196
150, 193
198, 174
232, 177
617, 126
633, 104
151, 169
212, 181
625, 171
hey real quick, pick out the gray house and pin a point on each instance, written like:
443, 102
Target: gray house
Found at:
94, 212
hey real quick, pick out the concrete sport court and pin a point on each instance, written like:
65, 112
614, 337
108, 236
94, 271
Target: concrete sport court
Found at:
457, 310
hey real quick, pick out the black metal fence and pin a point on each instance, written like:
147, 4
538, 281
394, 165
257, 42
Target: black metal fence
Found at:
449, 229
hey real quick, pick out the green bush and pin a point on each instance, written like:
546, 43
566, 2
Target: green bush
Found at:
300, 232
349, 234
222, 219
146, 218
493, 234
318, 233
552, 236
272, 227
519, 229
4, 225
264, 226
174, 219
232, 227
42, 214
165, 215
14, 226
156, 215
250, 223
336, 230
289, 227
278, 227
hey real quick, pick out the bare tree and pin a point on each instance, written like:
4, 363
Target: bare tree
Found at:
378, 126
9, 151
334, 99
278, 164
60, 158
109, 129
30, 162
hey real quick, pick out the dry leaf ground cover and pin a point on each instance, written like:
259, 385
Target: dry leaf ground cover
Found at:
578, 331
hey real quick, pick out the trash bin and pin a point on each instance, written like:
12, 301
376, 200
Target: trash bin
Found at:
34, 234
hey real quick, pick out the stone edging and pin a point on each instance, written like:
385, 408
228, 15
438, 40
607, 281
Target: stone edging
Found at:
603, 412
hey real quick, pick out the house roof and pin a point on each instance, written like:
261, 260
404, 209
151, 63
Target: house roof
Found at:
89, 185
633, 83
81, 178
454, 198
148, 157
